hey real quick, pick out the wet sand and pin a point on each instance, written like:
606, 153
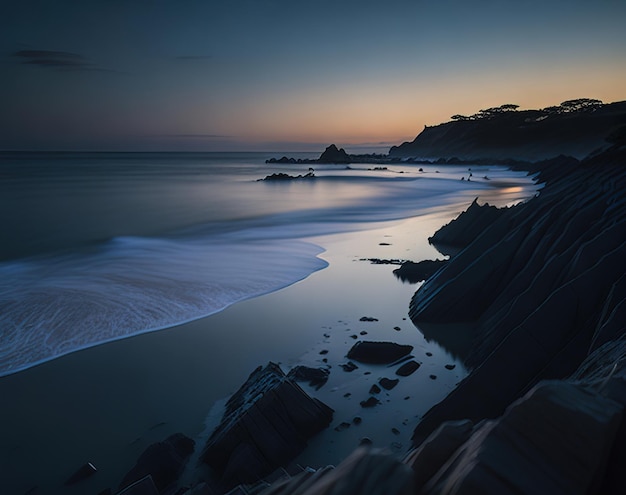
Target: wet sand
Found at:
106, 404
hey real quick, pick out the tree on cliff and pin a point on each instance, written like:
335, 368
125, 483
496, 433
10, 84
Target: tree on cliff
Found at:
488, 113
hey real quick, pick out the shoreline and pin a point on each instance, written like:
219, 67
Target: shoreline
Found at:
166, 379
136, 391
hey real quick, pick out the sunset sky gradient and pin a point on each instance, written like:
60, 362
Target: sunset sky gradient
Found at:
289, 75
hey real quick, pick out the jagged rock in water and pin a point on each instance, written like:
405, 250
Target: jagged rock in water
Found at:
388, 384
281, 176
416, 272
435, 451
555, 440
378, 352
267, 422
163, 461
408, 368
334, 155
462, 231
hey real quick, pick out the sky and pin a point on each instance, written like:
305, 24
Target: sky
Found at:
289, 75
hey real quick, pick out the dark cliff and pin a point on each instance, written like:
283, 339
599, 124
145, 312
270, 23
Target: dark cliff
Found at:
525, 135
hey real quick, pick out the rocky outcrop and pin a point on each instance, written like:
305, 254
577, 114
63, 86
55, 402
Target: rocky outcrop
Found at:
267, 422
332, 154
464, 229
162, 461
525, 284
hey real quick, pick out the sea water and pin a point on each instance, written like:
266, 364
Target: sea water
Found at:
101, 246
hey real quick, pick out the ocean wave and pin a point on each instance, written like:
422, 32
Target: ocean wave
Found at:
54, 305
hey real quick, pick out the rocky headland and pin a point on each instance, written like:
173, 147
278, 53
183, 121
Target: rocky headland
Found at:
576, 127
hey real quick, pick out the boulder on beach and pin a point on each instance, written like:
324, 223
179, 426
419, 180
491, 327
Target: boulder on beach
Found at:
378, 352
267, 422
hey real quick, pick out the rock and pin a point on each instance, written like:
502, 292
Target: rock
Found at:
365, 471
370, 402
378, 352
435, 451
357, 420
432, 377
557, 437
163, 461
349, 366
316, 377
388, 384
82, 473
334, 155
267, 422
144, 486
286, 177
408, 368
397, 329
367, 318
375, 389
395, 431
416, 272
450, 366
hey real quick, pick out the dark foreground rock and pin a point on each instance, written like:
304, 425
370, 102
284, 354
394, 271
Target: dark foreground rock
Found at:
554, 440
163, 461
267, 422
378, 352
365, 471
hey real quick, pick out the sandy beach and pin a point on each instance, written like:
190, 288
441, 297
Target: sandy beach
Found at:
107, 403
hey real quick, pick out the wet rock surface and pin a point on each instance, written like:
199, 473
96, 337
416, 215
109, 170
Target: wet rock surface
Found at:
267, 422
378, 352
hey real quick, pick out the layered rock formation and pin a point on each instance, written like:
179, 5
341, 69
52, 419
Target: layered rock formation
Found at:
543, 286
267, 422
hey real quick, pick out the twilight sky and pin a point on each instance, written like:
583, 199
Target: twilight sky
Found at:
289, 75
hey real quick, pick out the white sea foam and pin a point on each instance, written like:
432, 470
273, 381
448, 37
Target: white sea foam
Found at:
50, 306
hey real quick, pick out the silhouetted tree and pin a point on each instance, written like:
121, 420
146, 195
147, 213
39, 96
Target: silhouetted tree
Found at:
581, 104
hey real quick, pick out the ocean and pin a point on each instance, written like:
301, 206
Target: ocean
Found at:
102, 246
